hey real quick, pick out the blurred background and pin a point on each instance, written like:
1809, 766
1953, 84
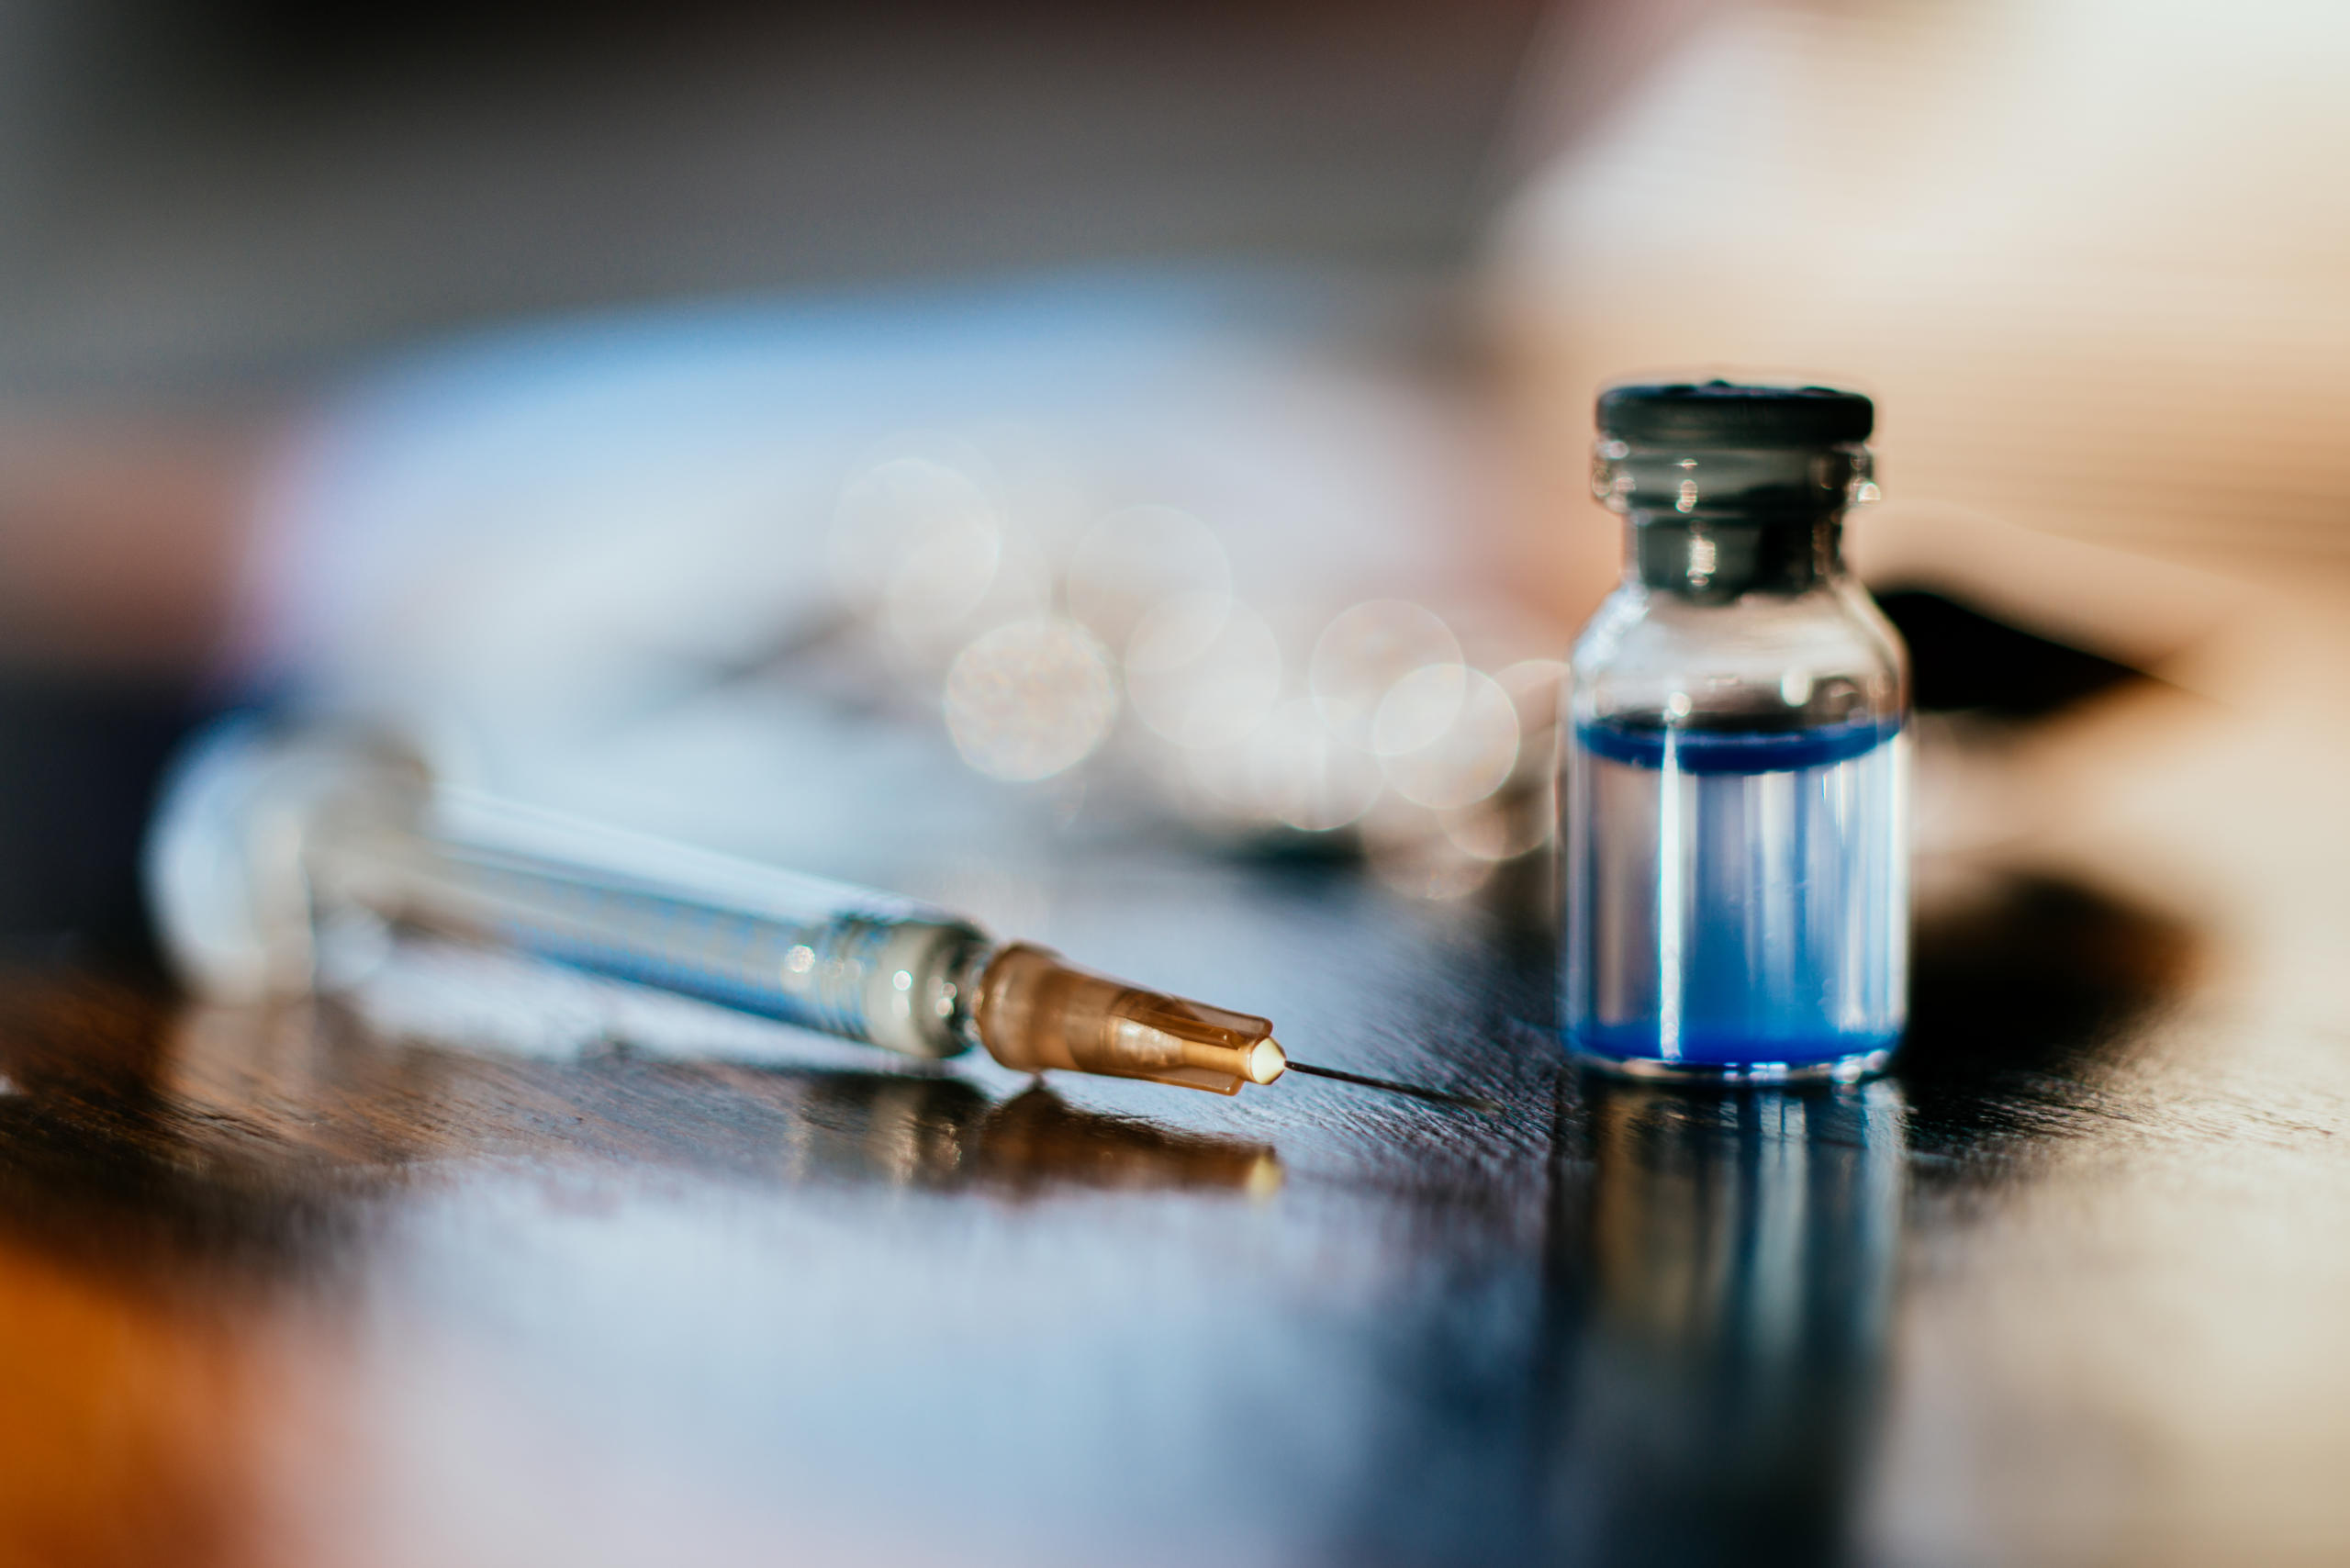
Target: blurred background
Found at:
1122, 471
874, 439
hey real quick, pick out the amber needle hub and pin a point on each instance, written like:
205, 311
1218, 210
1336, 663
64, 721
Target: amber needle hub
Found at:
1034, 1013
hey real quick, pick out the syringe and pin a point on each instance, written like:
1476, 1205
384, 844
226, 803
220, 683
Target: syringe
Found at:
262, 837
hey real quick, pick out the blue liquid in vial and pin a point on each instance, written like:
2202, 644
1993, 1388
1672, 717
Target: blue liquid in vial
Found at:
1738, 901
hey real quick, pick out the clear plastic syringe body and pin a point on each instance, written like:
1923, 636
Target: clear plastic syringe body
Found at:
822, 955
262, 837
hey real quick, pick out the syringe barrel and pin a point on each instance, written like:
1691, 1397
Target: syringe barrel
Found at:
261, 833
820, 955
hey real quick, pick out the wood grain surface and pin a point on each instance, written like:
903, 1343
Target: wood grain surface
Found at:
328, 1284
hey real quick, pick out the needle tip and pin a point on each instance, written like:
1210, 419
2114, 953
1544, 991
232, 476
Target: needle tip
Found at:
1267, 1061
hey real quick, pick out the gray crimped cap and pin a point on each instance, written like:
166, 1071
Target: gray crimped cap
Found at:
1733, 414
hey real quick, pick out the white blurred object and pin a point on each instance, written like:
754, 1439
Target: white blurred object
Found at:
1465, 758
793, 581
1203, 670
1137, 558
1030, 699
1365, 652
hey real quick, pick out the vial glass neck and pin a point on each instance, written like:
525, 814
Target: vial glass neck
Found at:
1716, 559
1711, 525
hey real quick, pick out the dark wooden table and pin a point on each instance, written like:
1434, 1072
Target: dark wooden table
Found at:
2073, 1285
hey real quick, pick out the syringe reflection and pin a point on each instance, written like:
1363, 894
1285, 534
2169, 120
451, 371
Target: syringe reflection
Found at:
295, 1081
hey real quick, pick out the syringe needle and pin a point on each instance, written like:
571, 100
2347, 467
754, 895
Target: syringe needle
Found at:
1468, 1102
1035, 1012
373, 833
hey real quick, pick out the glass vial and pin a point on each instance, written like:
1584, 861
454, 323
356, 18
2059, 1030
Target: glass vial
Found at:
1735, 805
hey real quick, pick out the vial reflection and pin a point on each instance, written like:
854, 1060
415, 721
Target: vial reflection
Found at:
1723, 1285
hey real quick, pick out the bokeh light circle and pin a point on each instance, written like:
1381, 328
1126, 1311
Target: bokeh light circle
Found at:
1418, 708
1473, 755
1366, 650
916, 542
1203, 669
1302, 775
1136, 558
1030, 699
